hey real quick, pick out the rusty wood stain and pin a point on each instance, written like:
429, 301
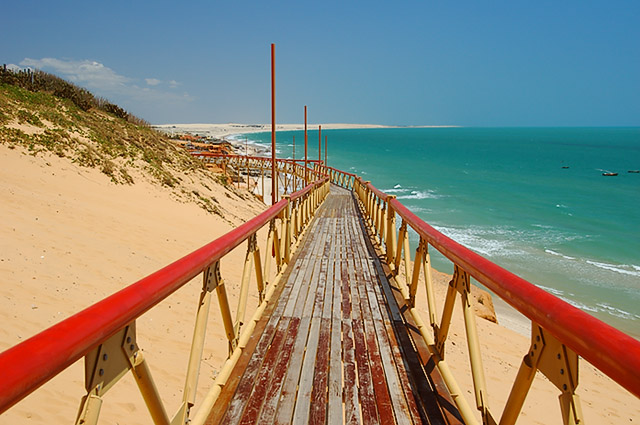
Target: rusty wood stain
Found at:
266, 375
273, 393
336, 347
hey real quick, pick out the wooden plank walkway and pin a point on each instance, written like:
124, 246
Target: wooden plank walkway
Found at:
334, 348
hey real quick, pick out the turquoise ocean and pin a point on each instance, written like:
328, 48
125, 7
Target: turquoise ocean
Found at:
532, 200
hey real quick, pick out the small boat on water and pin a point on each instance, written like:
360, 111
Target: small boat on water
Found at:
633, 171
609, 174
565, 166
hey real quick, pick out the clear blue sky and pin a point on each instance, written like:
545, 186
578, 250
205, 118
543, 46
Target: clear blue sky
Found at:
470, 63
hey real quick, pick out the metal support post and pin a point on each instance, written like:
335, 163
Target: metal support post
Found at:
210, 282
559, 364
431, 303
244, 286
287, 231
417, 263
225, 310
442, 331
106, 364
463, 286
401, 235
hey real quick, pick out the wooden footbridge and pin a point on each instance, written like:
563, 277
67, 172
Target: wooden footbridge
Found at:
337, 336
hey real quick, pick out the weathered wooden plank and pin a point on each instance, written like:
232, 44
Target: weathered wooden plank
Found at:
312, 365
374, 347
245, 387
387, 348
290, 386
249, 363
338, 352
319, 395
268, 412
266, 375
302, 280
401, 363
351, 404
365, 380
305, 384
318, 409
224, 400
334, 390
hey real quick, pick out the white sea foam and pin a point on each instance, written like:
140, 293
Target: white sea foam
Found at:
548, 251
420, 195
420, 210
617, 312
542, 226
481, 240
556, 292
397, 186
394, 190
580, 305
602, 308
631, 270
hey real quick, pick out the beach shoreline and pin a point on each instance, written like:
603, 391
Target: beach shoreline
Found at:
507, 316
230, 129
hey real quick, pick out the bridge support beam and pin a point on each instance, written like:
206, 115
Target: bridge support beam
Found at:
559, 364
211, 279
106, 364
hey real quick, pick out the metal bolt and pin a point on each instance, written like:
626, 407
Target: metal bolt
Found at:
561, 371
564, 387
535, 346
538, 338
101, 372
128, 339
131, 347
532, 354
559, 356
105, 357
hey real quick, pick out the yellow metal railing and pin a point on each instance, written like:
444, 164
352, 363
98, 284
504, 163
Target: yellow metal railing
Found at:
560, 332
105, 333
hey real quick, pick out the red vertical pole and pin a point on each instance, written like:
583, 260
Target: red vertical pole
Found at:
274, 178
295, 181
306, 141
319, 143
325, 151
246, 144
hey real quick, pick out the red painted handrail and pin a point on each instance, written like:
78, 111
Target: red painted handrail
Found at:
341, 172
28, 365
610, 350
380, 194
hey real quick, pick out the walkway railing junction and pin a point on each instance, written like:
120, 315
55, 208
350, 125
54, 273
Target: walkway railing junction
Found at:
105, 333
561, 333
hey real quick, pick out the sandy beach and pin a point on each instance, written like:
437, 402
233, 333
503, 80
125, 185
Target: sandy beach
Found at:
226, 130
70, 237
